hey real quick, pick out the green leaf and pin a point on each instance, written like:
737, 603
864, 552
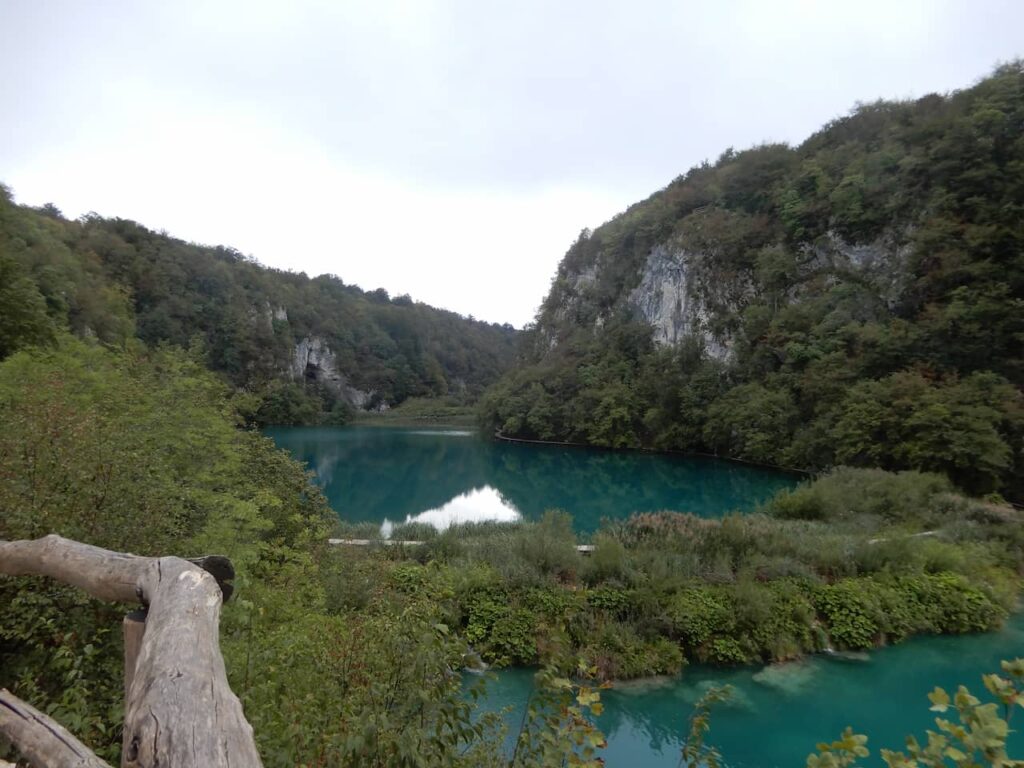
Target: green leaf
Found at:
939, 699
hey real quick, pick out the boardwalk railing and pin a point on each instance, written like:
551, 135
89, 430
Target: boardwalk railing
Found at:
583, 549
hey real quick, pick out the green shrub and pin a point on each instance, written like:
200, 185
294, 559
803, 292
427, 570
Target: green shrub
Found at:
727, 650
617, 651
550, 545
609, 600
697, 613
849, 612
512, 639
607, 562
847, 492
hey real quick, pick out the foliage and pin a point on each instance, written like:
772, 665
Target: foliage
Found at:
449, 410
24, 321
695, 753
558, 713
140, 450
857, 558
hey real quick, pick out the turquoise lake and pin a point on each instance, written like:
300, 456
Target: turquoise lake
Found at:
779, 713
389, 475
394, 475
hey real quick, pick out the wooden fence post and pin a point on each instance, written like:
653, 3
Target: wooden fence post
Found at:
133, 628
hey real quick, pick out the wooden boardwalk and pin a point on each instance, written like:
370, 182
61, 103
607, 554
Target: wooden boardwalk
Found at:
583, 549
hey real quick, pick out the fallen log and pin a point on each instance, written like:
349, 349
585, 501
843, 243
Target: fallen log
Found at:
179, 709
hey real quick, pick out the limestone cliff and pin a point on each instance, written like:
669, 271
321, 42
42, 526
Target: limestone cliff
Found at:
314, 361
673, 297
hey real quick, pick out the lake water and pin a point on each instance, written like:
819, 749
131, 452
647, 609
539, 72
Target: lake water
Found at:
778, 714
440, 476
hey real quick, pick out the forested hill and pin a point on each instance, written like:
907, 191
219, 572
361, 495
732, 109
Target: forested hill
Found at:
310, 348
858, 299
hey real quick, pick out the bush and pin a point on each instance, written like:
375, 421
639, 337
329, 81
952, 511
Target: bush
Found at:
607, 562
550, 545
698, 613
848, 493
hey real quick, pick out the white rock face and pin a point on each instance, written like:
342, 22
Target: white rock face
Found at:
689, 294
314, 360
583, 279
662, 298
883, 262
356, 397
668, 297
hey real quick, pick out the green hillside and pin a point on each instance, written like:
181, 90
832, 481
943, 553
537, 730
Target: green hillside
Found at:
309, 349
858, 299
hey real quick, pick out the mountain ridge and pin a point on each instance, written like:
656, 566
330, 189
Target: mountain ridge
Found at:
309, 349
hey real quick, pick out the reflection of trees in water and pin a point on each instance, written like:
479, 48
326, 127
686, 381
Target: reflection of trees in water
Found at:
373, 473
660, 709
662, 727
592, 484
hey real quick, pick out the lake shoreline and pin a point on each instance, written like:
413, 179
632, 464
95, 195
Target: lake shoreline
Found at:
658, 452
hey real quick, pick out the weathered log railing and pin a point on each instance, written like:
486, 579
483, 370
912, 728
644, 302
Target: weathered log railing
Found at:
179, 709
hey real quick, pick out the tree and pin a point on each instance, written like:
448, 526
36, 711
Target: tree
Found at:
23, 318
904, 421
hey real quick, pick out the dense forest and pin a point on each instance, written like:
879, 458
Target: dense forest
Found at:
855, 300
307, 349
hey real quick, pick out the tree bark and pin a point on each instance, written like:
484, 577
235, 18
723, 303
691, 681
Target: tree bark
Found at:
133, 629
43, 742
180, 710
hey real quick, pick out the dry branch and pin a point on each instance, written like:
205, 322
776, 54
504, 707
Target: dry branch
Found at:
43, 742
179, 709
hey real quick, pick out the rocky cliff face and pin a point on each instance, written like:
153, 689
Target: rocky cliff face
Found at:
313, 360
883, 263
673, 298
684, 293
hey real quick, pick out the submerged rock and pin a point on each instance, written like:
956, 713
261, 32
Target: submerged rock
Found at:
854, 656
791, 677
738, 698
644, 685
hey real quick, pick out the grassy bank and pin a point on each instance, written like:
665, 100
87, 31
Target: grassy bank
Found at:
857, 559
420, 411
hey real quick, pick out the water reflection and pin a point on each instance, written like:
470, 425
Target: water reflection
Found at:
373, 473
480, 505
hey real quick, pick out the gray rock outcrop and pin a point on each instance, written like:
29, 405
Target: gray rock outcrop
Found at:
313, 360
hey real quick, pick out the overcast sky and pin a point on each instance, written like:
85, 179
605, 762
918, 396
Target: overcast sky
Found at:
449, 150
